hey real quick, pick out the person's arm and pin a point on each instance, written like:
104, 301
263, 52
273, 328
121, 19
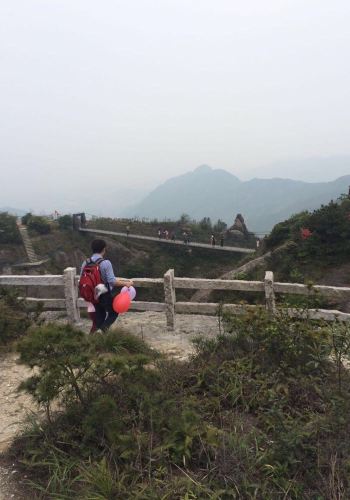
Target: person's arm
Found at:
111, 279
123, 282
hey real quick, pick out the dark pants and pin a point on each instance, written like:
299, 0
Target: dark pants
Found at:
105, 315
92, 316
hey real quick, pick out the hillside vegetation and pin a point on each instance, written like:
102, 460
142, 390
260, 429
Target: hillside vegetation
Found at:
8, 229
321, 243
309, 247
261, 412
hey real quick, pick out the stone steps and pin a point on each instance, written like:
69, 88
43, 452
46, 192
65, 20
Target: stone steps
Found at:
32, 257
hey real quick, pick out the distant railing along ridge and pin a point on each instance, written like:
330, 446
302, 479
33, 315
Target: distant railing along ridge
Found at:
191, 244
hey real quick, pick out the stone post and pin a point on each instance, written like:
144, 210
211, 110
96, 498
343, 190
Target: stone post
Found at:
269, 292
71, 295
170, 299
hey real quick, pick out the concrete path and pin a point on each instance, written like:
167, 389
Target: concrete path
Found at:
171, 242
204, 295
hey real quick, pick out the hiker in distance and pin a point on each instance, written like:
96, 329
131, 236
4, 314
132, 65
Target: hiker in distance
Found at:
97, 285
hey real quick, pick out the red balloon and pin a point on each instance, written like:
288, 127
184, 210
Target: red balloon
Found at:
121, 302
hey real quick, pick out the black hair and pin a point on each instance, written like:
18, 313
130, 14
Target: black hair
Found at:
97, 246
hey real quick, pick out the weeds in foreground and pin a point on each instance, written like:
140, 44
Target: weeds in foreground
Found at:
16, 316
257, 413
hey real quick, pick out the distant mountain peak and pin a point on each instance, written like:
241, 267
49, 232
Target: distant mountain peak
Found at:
14, 211
216, 193
203, 169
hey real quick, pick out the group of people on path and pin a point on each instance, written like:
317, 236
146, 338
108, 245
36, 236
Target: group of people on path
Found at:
164, 233
213, 240
167, 235
101, 310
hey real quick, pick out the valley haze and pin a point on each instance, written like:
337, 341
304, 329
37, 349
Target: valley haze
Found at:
209, 192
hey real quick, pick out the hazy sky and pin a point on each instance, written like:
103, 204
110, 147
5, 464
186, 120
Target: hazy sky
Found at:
114, 94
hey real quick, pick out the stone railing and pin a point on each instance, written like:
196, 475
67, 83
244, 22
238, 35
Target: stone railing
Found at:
225, 248
72, 304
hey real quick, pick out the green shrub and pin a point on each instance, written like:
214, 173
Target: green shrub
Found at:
325, 245
205, 224
26, 218
286, 230
220, 226
65, 222
68, 361
8, 229
15, 317
39, 224
257, 413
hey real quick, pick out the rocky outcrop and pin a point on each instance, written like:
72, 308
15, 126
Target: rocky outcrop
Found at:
239, 226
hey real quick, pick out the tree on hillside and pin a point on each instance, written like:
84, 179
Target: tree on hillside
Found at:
321, 241
185, 219
287, 230
39, 224
26, 218
220, 226
205, 224
8, 229
65, 222
330, 226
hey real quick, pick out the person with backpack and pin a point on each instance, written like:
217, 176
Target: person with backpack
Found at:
98, 283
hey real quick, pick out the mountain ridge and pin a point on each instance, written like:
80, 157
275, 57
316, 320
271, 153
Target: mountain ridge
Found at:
13, 211
218, 194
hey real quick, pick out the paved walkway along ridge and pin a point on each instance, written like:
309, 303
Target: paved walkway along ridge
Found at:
171, 242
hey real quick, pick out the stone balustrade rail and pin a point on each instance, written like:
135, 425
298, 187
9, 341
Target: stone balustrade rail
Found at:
72, 303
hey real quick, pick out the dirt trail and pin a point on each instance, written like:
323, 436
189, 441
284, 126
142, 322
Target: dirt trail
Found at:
151, 326
15, 406
204, 295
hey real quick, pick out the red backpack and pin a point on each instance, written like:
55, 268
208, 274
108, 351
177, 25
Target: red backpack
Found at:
89, 279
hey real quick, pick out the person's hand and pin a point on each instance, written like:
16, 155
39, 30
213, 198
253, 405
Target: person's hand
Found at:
129, 283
